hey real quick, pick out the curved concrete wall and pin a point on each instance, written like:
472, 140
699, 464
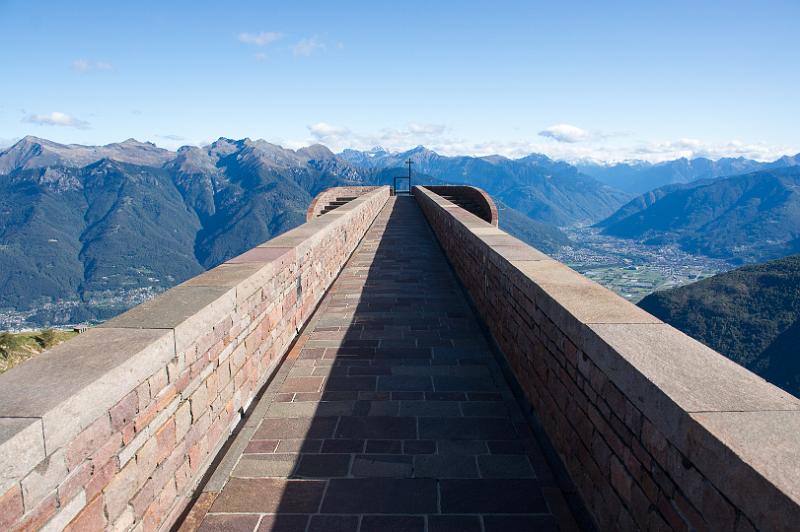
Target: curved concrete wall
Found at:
656, 430
485, 208
114, 428
330, 194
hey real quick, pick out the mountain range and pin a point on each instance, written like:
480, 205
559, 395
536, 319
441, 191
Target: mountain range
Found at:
88, 231
745, 218
750, 314
554, 192
641, 176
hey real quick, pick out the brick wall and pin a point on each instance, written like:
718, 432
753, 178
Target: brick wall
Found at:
483, 202
330, 194
657, 431
114, 428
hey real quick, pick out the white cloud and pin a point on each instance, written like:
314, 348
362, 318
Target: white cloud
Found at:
171, 137
56, 119
260, 39
83, 66
323, 130
308, 47
598, 147
693, 148
565, 133
339, 137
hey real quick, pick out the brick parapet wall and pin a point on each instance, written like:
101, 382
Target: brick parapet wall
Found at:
114, 428
657, 431
486, 208
330, 194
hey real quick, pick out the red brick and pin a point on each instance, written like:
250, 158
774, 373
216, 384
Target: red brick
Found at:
670, 515
197, 454
650, 488
160, 403
183, 380
157, 511
146, 460
654, 442
620, 479
123, 412
690, 514
158, 381
165, 438
110, 448
142, 500
183, 475
90, 518
75, 482
35, 519
128, 432
211, 383
120, 490
88, 441
717, 511
641, 454
11, 507
101, 476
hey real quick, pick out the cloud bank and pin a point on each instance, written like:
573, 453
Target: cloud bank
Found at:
569, 143
56, 119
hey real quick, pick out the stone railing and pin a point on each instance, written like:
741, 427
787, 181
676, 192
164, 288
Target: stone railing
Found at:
322, 199
115, 428
473, 199
656, 430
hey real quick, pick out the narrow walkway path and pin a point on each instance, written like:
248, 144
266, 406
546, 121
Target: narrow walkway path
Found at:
391, 414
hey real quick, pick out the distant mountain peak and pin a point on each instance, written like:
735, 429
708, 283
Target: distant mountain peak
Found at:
538, 158
228, 141
316, 151
133, 142
30, 139
419, 148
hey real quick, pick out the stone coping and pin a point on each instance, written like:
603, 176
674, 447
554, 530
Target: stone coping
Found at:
740, 431
48, 400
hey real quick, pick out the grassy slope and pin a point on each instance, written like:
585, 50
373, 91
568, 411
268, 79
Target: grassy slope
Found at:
16, 348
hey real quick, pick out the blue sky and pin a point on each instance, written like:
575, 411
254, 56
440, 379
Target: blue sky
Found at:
606, 80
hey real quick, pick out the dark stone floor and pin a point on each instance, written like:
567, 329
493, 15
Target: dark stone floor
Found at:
391, 415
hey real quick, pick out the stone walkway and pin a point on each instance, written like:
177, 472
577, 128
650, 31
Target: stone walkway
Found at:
390, 413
